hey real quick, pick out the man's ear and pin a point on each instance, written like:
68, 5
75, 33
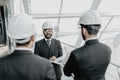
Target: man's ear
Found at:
84, 31
33, 38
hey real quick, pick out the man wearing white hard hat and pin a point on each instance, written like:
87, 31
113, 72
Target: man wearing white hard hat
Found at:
90, 61
22, 64
49, 47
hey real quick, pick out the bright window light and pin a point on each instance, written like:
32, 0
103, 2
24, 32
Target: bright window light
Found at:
68, 25
45, 6
76, 6
108, 6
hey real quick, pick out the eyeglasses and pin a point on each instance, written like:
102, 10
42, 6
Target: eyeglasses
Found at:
48, 30
79, 27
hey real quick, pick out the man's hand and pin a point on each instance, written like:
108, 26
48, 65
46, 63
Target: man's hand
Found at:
53, 58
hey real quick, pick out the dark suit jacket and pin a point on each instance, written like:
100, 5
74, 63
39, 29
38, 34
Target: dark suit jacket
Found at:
42, 49
23, 65
89, 62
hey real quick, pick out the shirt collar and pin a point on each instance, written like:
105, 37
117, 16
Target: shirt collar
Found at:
29, 49
91, 39
48, 39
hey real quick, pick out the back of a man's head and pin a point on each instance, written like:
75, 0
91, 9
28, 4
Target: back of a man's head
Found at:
21, 28
91, 21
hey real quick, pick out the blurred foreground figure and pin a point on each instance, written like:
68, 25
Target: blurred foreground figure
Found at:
22, 64
90, 61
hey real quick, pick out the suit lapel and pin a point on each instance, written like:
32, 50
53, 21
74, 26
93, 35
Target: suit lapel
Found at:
46, 48
45, 44
52, 44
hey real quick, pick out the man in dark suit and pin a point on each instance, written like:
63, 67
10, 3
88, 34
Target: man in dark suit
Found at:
90, 61
49, 48
22, 64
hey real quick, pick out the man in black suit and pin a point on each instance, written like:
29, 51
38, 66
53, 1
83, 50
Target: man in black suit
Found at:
22, 64
90, 61
49, 48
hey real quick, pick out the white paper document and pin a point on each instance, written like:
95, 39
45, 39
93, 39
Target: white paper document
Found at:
59, 61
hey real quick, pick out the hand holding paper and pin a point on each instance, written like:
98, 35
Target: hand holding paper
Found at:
58, 61
53, 58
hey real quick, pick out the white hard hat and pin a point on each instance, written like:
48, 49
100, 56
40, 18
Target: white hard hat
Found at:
21, 27
47, 25
90, 18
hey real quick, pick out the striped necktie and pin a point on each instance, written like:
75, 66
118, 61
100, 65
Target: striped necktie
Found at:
48, 42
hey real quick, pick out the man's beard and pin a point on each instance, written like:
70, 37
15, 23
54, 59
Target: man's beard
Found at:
48, 37
83, 36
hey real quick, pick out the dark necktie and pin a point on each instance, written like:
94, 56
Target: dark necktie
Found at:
48, 42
